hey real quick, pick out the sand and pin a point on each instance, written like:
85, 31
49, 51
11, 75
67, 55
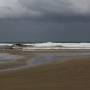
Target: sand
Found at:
68, 75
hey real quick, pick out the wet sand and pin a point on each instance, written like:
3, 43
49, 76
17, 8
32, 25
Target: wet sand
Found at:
23, 60
72, 74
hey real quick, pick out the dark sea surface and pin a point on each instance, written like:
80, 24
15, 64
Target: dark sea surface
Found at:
44, 31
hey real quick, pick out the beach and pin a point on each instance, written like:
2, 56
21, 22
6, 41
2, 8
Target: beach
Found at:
69, 72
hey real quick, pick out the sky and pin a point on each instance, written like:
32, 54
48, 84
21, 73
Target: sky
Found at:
44, 20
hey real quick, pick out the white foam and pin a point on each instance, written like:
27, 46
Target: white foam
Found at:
51, 45
5, 44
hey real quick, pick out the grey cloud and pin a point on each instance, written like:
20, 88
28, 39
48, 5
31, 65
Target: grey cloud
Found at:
36, 8
59, 6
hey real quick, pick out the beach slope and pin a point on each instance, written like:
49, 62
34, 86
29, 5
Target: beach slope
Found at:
68, 75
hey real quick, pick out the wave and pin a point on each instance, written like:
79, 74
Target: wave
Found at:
6, 44
56, 46
49, 45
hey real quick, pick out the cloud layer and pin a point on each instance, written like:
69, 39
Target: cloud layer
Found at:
36, 8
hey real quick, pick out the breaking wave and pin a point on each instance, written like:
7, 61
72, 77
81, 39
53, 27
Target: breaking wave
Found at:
49, 45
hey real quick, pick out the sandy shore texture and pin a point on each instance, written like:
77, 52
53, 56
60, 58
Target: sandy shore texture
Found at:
68, 75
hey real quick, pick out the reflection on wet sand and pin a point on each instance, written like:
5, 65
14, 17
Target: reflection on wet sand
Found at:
11, 62
50, 57
6, 57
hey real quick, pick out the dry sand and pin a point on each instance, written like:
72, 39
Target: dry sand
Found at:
68, 75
